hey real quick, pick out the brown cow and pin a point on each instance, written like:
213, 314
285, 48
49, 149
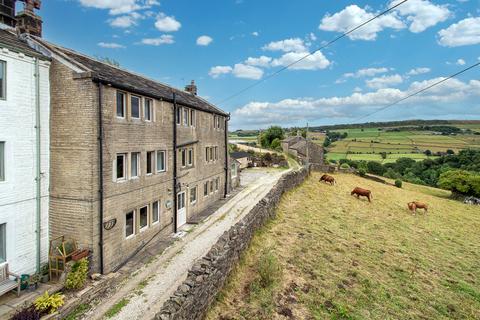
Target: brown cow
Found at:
362, 192
414, 205
328, 179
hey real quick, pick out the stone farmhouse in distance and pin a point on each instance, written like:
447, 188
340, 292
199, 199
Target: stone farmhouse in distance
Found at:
297, 147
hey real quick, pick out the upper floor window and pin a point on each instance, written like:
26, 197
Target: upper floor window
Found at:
185, 116
135, 107
190, 157
192, 118
121, 105
2, 161
121, 166
143, 219
135, 165
156, 212
161, 161
216, 122
3, 80
193, 195
148, 110
178, 115
205, 189
130, 224
150, 161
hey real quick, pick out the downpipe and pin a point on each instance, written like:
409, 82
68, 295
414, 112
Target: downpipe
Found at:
38, 173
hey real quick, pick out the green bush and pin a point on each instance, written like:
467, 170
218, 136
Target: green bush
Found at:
268, 269
77, 277
461, 181
398, 183
345, 166
362, 172
49, 303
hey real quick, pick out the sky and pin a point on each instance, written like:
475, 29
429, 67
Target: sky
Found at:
228, 45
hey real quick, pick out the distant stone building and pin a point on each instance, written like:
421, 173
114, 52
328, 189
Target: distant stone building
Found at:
244, 158
297, 147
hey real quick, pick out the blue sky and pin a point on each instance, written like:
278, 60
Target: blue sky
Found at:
226, 45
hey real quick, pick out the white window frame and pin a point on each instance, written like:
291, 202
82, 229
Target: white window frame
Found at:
205, 188
3, 242
190, 157
193, 117
179, 116
217, 184
124, 104
140, 228
153, 163
3, 91
196, 195
133, 225
138, 154
139, 107
234, 170
212, 189
185, 113
2, 161
183, 157
150, 108
164, 156
125, 161
159, 203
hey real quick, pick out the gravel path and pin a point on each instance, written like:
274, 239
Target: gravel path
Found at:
155, 283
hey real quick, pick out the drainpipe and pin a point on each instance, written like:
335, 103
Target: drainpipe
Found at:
100, 174
174, 190
226, 155
38, 177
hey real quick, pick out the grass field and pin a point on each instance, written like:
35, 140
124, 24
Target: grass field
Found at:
328, 255
367, 144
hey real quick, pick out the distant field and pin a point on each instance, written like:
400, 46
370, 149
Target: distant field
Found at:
412, 144
329, 255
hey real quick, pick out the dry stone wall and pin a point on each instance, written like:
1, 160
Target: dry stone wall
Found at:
207, 277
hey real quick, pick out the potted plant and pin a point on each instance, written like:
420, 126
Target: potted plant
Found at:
44, 274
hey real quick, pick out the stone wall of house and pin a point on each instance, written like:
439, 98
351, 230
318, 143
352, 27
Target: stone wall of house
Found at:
207, 277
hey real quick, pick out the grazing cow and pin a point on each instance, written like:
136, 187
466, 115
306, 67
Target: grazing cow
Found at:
328, 179
414, 205
362, 192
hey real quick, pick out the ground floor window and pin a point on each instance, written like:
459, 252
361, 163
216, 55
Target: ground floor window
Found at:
130, 224
135, 165
161, 161
205, 189
150, 161
156, 212
234, 170
211, 186
193, 195
121, 166
143, 217
217, 182
2, 161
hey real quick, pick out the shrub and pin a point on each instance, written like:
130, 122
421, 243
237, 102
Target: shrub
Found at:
49, 303
345, 166
398, 183
362, 172
78, 275
461, 181
268, 269
375, 168
29, 313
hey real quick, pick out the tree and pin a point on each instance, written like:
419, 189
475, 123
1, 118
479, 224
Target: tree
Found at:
428, 153
327, 142
375, 168
461, 182
450, 151
384, 155
272, 133
276, 144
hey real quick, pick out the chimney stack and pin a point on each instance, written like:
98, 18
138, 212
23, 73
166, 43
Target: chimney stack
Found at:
7, 12
27, 20
192, 88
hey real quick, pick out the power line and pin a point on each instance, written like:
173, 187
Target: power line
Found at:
311, 53
418, 92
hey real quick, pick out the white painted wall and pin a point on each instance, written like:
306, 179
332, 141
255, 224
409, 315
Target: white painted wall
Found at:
18, 191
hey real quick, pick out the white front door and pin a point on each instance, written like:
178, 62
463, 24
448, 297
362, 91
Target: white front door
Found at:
181, 209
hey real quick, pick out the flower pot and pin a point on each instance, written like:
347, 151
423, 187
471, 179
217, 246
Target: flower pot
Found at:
45, 278
80, 254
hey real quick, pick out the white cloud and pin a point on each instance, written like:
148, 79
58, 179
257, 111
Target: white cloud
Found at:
417, 71
116, 7
353, 16
110, 45
291, 111
126, 21
244, 71
460, 62
217, 71
422, 14
312, 36
204, 41
255, 34
163, 39
463, 33
366, 72
287, 45
384, 81
166, 23
316, 61
262, 61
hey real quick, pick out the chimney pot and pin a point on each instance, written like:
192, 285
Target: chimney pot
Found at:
28, 21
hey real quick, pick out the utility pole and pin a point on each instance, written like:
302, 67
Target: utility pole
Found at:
306, 142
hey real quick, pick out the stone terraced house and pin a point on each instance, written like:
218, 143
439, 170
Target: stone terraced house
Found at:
131, 158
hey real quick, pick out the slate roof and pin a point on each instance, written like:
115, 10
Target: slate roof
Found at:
240, 154
129, 81
10, 40
293, 139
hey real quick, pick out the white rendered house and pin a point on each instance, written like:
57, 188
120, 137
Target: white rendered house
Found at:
24, 154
